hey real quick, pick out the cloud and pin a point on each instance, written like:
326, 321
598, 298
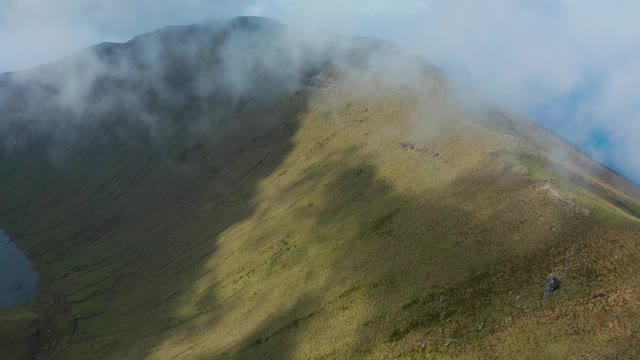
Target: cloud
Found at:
36, 31
571, 65
183, 79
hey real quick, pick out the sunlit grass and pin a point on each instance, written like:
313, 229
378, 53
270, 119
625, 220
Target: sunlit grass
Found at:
327, 241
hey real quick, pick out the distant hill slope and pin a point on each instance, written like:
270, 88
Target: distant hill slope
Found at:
239, 190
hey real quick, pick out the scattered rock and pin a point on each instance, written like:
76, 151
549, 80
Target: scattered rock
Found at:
421, 149
480, 326
553, 284
554, 194
414, 147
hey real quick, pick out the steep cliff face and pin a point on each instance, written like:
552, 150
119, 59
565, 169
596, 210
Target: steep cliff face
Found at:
239, 190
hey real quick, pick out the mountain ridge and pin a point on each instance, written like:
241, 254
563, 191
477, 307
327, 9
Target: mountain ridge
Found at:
306, 199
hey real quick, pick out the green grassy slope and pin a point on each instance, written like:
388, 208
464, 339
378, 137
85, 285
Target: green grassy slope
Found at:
335, 223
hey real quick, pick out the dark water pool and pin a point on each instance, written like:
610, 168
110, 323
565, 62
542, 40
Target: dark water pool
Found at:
18, 281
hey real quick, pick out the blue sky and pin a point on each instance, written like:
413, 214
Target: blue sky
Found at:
573, 66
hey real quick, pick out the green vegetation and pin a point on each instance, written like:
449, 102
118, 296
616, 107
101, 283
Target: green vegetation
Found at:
318, 236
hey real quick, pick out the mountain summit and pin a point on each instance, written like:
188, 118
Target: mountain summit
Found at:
238, 189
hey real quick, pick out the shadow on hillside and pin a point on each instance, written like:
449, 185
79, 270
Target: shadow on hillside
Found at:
124, 213
151, 220
411, 262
